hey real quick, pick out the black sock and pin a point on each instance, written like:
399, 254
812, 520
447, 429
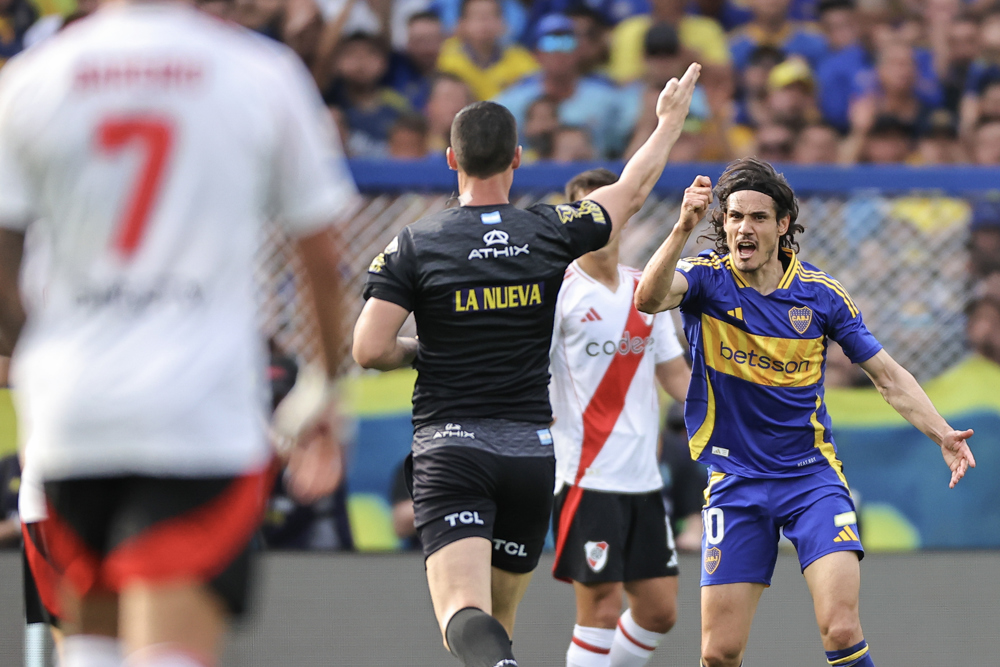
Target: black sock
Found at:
478, 639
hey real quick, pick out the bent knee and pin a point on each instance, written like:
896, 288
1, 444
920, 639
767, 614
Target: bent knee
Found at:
660, 619
841, 634
721, 653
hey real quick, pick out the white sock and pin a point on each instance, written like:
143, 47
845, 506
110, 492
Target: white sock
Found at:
589, 647
91, 651
633, 645
163, 655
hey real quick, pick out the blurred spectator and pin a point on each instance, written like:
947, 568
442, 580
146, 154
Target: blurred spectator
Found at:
847, 57
343, 129
895, 89
592, 33
989, 98
664, 59
477, 55
16, 16
402, 510
583, 101
609, 12
818, 143
734, 13
775, 142
986, 66
962, 50
702, 35
683, 481
514, 13
408, 138
412, 71
791, 96
938, 143
983, 319
572, 144
10, 482
540, 125
370, 108
889, 141
448, 96
986, 142
771, 27
984, 238
753, 79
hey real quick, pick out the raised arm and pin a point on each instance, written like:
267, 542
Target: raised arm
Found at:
901, 390
377, 343
661, 286
624, 198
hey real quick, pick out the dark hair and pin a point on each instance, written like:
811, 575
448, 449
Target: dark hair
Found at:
465, 5
752, 174
833, 5
362, 37
484, 138
414, 122
588, 181
426, 15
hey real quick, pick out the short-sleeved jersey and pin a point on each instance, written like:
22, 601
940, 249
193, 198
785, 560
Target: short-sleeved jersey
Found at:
142, 150
603, 388
482, 283
755, 405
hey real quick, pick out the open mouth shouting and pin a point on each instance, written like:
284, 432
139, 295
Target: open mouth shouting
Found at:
745, 249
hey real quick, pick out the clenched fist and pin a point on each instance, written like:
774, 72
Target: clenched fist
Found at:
695, 204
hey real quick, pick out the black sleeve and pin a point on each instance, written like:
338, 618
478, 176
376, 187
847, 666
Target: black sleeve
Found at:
392, 274
584, 225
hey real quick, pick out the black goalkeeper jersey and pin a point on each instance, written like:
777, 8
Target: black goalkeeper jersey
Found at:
482, 283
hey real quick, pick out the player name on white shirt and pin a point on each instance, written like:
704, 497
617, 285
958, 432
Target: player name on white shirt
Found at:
142, 150
603, 387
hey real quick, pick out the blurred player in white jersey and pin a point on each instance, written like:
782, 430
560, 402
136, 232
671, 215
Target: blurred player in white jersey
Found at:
612, 531
142, 150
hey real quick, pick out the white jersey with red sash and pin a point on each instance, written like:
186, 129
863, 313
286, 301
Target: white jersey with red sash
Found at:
603, 387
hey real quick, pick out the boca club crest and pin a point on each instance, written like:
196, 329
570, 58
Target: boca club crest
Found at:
597, 555
713, 557
801, 318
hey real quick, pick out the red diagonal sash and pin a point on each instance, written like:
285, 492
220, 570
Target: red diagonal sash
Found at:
600, 416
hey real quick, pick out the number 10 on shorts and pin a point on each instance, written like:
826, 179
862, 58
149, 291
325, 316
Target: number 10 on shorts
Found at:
715, 530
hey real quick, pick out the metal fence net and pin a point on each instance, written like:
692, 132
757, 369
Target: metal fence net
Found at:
901, 257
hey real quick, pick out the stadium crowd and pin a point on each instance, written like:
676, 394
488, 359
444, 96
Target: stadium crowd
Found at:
804, 81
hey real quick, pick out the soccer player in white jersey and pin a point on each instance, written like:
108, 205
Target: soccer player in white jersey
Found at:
143, 148
612, 531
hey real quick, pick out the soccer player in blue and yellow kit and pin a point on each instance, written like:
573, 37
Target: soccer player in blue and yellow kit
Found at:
758, 319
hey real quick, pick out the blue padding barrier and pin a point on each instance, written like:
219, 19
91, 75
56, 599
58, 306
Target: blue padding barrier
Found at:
433, 175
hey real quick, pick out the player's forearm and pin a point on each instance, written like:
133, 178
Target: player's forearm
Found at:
400, 354
11, 309
321, 258
652, 294
645, 168
907, 397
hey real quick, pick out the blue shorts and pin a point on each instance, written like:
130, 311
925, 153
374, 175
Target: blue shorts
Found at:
745, 516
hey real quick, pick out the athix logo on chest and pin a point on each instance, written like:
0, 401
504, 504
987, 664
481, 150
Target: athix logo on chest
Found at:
501, 239
800, 318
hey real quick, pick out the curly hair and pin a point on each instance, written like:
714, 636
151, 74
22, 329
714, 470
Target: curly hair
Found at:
753, 174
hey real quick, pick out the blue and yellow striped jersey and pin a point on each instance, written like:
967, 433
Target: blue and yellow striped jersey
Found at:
755, 405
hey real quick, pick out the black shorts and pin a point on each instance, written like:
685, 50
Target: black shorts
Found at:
104, 533
41, 583
461, 492
612, 537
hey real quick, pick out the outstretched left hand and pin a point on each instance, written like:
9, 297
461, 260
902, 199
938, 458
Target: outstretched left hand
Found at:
957, 454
